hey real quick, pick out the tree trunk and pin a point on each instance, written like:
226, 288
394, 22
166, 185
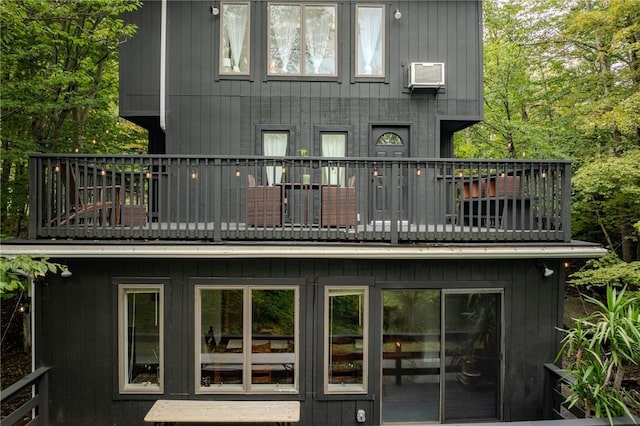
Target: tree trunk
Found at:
629, 249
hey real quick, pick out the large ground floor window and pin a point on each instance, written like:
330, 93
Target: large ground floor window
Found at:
441, 355
246, 339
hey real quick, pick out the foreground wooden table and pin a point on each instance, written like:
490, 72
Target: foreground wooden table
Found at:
189, 411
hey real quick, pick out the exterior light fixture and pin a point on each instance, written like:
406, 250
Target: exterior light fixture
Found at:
546, 271
66, 273
397, 14
214, 10
194, 175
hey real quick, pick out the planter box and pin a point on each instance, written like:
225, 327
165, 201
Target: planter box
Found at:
503, 185
135, 215
473, 189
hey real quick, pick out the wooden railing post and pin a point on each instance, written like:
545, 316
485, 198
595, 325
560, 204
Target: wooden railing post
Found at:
35, 212
217, 199
395, 200
566, 202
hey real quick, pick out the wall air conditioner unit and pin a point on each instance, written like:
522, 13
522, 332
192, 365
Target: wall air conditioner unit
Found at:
427, 75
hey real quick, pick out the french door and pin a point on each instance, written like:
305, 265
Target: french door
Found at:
441, 355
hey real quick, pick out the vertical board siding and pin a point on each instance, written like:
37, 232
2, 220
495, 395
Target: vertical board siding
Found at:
199, 106
79, 337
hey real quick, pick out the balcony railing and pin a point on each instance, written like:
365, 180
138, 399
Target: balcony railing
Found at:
220, 198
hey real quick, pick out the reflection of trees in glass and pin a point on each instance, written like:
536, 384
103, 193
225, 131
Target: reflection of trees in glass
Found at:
346, 312
411, 311
235, 36
222, 310
389, 138
273, 312
284, 39
320, 45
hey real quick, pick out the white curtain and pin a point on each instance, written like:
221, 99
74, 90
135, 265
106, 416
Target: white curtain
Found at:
275, 145
333, 145
285, 28
319, 39
370, 36
236, 19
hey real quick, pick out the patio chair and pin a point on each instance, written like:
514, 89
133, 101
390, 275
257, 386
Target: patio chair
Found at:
264, 204
86, 204
339, 205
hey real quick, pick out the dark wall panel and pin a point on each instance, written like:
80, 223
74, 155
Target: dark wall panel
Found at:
435, 31
79, 337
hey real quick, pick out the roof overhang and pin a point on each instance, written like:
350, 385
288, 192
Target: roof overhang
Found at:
574, 250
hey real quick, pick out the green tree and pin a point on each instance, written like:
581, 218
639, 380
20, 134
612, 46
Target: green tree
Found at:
59, 85
607, 198
17, 271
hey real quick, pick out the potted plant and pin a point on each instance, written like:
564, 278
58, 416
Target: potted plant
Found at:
306, 177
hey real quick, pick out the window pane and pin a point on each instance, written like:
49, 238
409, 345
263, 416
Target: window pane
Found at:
235, 38
346, 339
274, 145
370, 41
284, 39
333, 145
273, 337
142, 320
320, 40
221, 347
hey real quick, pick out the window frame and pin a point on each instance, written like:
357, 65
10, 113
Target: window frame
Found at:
246, 387
124, 387
383, 43
342, 389
220, 68
302, 65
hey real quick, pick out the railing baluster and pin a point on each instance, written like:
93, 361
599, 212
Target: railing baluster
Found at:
396, 200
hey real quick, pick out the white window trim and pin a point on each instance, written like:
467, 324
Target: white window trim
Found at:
383, 41
347, 388
221, 70
131, 388
246, 387
302, 72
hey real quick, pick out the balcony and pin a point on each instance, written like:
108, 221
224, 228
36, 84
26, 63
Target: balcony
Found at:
250, 198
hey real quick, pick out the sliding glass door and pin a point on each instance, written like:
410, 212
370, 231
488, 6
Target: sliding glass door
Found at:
441, 355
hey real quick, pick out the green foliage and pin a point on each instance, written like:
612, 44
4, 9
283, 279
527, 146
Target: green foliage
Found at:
16, 272
601, 346
608, 270
607, 198
59, 79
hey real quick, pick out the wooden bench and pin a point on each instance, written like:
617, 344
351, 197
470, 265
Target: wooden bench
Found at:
190, 411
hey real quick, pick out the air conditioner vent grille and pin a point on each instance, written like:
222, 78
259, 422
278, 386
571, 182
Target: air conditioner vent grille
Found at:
426, 74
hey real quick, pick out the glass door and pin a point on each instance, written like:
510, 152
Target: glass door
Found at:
472, 352
441, 356
411, 356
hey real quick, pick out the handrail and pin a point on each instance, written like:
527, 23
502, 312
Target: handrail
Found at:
39, 402
555, 406
396, 200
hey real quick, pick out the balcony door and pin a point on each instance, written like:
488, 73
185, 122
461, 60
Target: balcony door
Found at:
389, 142
441, 356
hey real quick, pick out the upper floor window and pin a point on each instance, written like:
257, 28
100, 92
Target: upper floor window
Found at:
246, 339
370, 41
234, 47
333, 144
302, 39
275, 144
140, 331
